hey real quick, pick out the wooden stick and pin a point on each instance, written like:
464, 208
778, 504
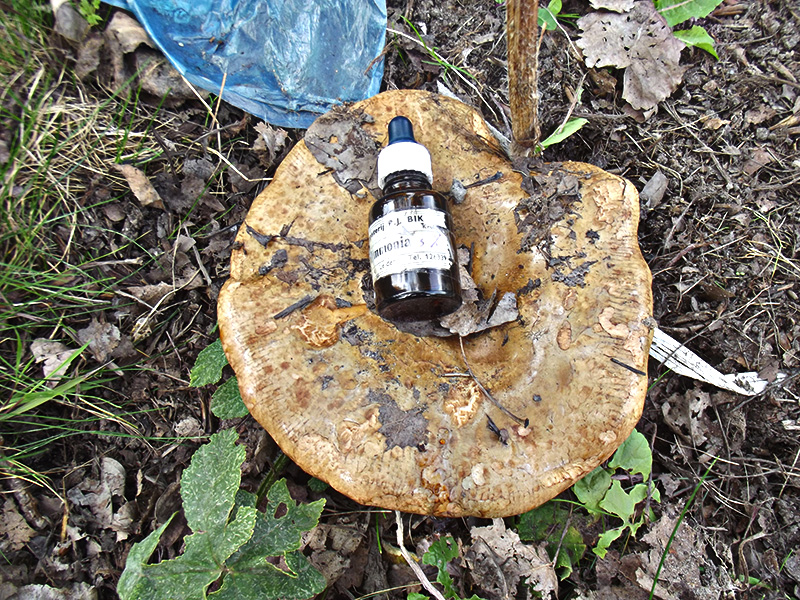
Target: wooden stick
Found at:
523, 66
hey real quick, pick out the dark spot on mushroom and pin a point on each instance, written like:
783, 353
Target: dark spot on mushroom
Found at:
261, 238
400, 427
537, 398
326, 380
530, 286
574, 277
278, 260
299, 305
592, 236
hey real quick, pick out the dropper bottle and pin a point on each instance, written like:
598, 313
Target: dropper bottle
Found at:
411, 245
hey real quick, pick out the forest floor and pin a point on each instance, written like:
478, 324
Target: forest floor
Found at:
96, 469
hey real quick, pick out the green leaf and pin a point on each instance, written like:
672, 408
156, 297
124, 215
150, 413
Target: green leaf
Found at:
547, 16
260, 580
250, 575
562, 133
231, 538
209, 485
678, 11
546, 524
208, 367
619, 502
201, 563
208, 489
441, 552
697, 37
317, 485
131, 580
416, 596
591, 489
605, 539
227, 403
634, 455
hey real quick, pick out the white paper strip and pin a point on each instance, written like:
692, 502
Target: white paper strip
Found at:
683, 361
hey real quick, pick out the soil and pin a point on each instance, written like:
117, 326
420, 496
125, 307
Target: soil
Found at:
722, 241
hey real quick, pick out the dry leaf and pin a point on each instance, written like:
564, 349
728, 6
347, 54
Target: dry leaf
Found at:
127, 33
499, 560
653, 191
14, 529
640, 42
69, 23
619, 6
52, 354
475, 314
680, 575
271, 140
140, 186
103, 339
89, 56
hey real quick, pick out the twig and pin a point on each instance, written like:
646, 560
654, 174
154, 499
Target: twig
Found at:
423, 579
503, 409
197, 257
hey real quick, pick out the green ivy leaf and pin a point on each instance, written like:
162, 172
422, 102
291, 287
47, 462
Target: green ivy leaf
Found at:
634, 455
208, 367
317, 485
132, 578
678, 11
208, 490
250, 575
591, 489
547, 16
441, 552
546, 524
697, 37
619, 502
562, 133
606, 539
227, 403
231, 538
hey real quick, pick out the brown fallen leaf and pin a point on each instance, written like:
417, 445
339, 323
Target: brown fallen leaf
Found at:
477, 314
271, 140
758, 159
499, 560
69, 23
140, 185
619, 6
14, 529
53, 355
103, 338
639, 41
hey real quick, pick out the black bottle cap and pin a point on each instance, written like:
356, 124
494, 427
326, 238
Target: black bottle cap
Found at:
401, 130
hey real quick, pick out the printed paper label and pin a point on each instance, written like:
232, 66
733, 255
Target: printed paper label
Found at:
410, 239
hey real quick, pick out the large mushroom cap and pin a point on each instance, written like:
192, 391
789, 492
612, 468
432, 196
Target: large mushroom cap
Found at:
378, 413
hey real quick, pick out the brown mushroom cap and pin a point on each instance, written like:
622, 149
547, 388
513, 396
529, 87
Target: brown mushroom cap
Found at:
379, 414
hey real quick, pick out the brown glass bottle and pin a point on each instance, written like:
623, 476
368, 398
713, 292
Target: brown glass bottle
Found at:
412, 249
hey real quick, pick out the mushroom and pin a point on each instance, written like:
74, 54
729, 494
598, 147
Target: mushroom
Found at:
397, 420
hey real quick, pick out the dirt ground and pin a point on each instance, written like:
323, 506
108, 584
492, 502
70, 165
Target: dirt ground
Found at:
722, 241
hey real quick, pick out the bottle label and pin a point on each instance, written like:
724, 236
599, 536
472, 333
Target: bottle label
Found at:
405, 240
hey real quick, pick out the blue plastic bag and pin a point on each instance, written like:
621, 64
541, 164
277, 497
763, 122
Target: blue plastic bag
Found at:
287, 61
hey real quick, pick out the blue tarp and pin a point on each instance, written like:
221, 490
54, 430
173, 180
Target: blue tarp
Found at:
287, 61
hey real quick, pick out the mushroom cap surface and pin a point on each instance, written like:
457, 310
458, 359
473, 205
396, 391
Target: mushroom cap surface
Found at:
388, 418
